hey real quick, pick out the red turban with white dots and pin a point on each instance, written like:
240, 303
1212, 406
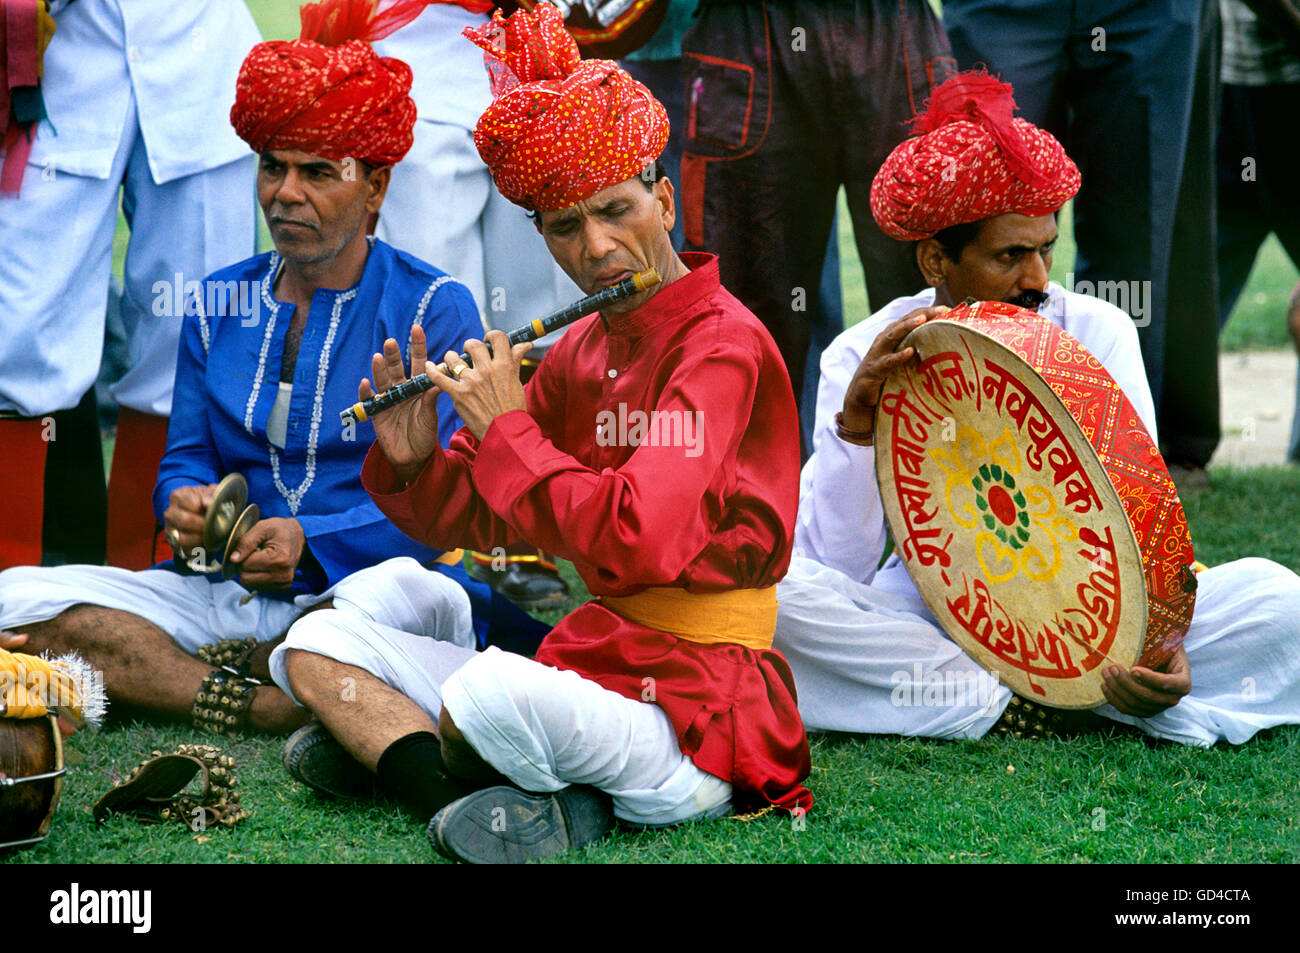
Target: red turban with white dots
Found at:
970, 161
560, 128
327, 93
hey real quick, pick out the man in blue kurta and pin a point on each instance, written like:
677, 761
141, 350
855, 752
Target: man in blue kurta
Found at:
270, 349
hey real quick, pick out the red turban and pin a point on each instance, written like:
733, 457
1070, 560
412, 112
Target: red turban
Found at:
560, 129
971, 161
327, 93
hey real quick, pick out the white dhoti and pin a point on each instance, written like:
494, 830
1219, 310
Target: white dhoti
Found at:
863, 659
540, 727
416, 664
872, 659
194, 611
544, 729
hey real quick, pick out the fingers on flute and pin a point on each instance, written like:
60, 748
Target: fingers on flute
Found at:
442, 379
478, 353
419, 350
500, 346
379, 373
393, 360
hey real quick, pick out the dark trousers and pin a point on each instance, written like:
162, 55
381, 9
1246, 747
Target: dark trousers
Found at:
785, 102
1259, 191
1134, 106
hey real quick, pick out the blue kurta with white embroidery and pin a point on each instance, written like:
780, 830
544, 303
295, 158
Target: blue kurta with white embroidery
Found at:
228, 377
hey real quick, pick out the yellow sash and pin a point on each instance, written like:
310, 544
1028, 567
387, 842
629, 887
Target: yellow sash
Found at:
741, 616
452, 558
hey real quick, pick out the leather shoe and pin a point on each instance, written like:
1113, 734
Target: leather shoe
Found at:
528, 585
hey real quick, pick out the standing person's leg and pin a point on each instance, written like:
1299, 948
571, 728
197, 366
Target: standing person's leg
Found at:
220, 216
1187, 407
1131, 88
758, 176
1293, 325
53, 288
1243, 219
75, 497
896, 53
1277, 143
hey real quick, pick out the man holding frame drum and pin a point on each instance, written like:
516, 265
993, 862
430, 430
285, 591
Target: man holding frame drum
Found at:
977, 191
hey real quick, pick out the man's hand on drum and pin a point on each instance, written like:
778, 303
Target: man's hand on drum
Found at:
1144, 692
863, 393
407, 433
183, 518
268, 554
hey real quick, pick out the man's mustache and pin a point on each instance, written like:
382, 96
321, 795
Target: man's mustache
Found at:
286, 220
1030, 299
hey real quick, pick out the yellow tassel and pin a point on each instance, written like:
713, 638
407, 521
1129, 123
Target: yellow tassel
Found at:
31, 686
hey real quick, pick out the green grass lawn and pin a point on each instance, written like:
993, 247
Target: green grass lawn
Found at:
1098, 798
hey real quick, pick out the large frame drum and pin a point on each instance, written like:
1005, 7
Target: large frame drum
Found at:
1030, 506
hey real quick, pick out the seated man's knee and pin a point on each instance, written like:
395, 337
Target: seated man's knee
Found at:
307, 675
376, 583
452, 739
458, 757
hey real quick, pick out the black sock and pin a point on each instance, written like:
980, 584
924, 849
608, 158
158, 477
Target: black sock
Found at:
411, 772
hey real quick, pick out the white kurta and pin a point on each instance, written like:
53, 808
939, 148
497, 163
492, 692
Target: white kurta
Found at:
442, 205
138, 95
868, 656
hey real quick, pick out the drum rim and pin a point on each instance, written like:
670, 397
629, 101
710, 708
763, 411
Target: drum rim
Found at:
1058, 405
57, 775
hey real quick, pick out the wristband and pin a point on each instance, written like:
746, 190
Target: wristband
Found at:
856, 437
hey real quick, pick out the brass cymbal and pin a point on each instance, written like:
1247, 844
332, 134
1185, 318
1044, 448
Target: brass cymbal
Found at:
226, 507
247, 519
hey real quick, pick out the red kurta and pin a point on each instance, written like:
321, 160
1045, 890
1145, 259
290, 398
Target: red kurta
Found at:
711, 513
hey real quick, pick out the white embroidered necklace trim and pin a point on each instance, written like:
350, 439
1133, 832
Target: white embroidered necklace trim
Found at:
273, 307
294, 497
423, 306
205, 333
